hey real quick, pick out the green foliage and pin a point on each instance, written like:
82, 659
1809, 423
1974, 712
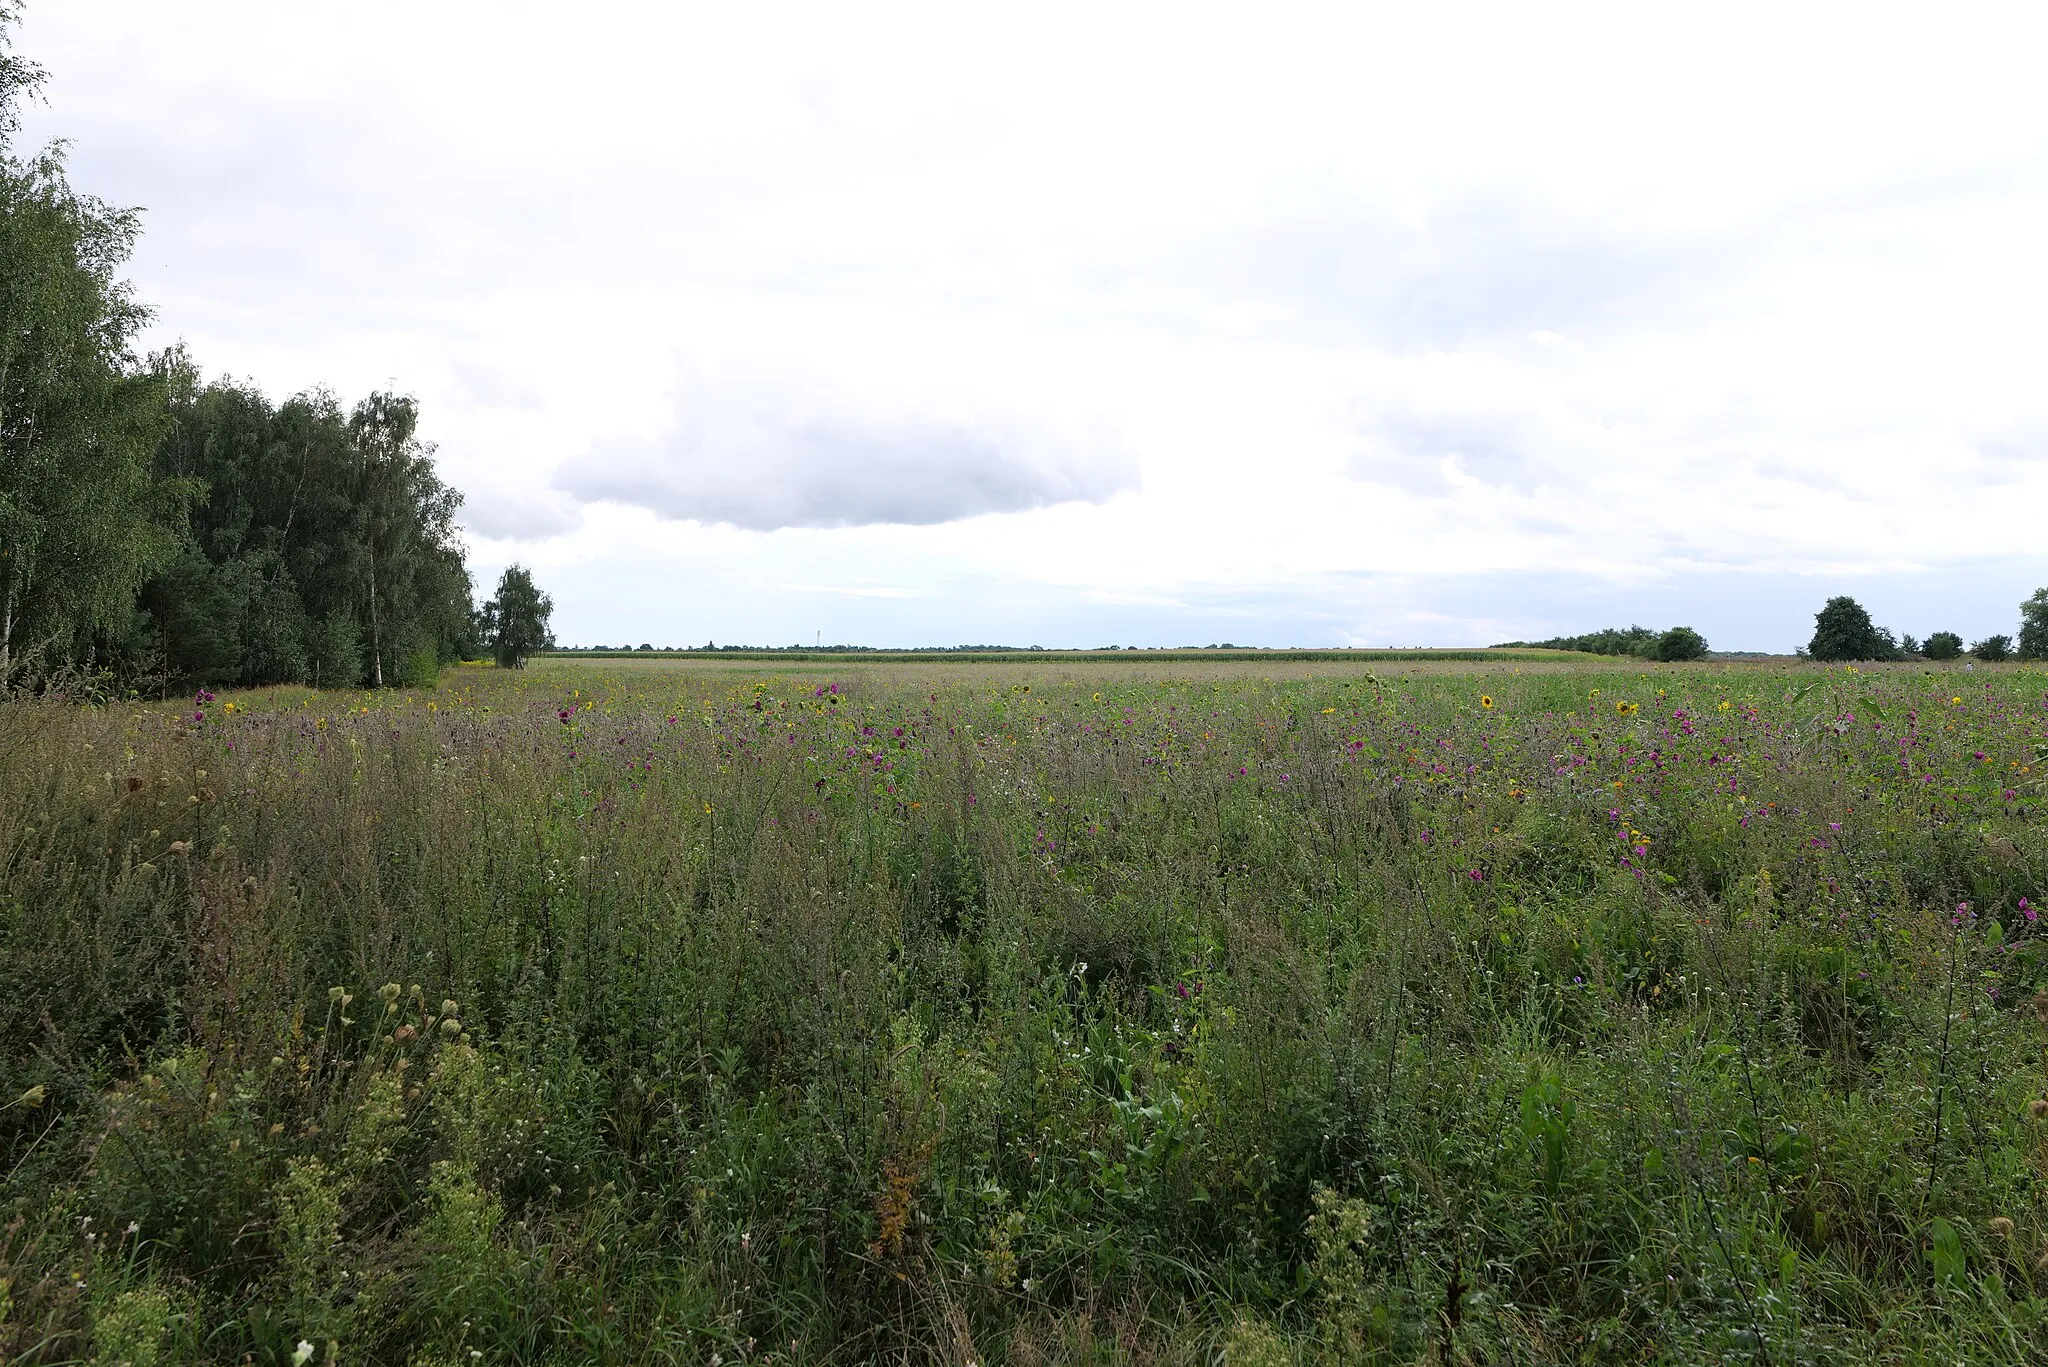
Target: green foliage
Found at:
1993, 649
1944, 645
515, 622
2033, 642
314, 518
334, 652
235, 525
1639, 641
1843, 631
82, 523
1680, 643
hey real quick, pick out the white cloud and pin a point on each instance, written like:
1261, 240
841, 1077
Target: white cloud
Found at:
767, 458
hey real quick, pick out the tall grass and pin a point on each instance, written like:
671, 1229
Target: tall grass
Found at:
636, 1014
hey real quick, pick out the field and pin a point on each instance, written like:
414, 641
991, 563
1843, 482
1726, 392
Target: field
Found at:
1148, 1011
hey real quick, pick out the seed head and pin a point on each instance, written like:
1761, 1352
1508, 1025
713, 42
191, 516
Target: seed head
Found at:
389, 992
451, 1027
2037, 1108
2001, 1226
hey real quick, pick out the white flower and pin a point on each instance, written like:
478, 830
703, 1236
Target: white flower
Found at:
302, 1354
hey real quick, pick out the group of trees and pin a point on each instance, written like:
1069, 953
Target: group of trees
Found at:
1678, 643
323, 550
1843, 631
156, 525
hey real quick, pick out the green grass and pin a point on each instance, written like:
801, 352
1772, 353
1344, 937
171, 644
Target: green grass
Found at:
1163, 1010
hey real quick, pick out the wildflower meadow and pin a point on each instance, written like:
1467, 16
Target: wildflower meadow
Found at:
1504, 1011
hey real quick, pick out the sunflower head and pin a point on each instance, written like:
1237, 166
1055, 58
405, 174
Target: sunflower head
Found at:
1486, 702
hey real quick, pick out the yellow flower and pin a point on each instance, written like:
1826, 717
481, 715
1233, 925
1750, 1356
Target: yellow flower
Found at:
1725, 704
1486, 702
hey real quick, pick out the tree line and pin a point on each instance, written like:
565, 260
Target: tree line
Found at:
1676, 643
156, 527
1843, 630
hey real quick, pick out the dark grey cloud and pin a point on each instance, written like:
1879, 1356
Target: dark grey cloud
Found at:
761, 472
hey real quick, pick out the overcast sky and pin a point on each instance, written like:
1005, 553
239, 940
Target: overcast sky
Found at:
1337, 325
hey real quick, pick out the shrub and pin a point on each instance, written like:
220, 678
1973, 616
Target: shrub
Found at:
1992, 649
1680, 643
1943, 645
1842, 630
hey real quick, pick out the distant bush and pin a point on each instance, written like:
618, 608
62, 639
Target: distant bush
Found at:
1842, 630
1993, 649
1943, 645
1680, 643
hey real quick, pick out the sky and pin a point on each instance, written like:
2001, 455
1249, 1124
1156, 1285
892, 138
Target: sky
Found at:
1147, 325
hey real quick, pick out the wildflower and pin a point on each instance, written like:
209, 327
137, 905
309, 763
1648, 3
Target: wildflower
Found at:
1486, 702
389, 992
2028, 910
302, 1354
